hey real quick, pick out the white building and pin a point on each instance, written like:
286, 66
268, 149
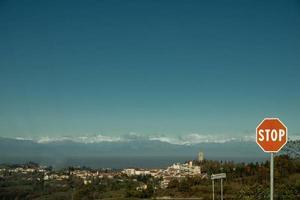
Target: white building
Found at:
129, 172
132, 172
200, 156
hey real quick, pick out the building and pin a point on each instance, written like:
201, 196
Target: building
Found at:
200, 156
132, 172
129, 172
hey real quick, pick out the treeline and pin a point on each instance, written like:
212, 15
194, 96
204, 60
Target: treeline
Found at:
244, 181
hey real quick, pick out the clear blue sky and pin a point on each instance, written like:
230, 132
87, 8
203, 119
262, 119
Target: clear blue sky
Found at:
167, 67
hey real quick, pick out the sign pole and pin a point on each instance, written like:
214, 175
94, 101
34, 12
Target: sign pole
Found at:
221, 189
213, 188
217, 176
272, 176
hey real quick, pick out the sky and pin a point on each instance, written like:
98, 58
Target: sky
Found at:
163, 68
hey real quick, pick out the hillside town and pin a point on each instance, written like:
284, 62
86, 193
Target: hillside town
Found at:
88, 176
181, 180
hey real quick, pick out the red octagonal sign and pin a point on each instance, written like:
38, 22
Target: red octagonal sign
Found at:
271, 135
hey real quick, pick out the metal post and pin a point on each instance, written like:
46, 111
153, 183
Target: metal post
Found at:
213, 188
221, 189
271, 176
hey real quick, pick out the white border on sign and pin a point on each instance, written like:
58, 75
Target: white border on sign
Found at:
271, 118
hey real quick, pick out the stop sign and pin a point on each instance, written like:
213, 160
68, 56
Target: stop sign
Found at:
271, 135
